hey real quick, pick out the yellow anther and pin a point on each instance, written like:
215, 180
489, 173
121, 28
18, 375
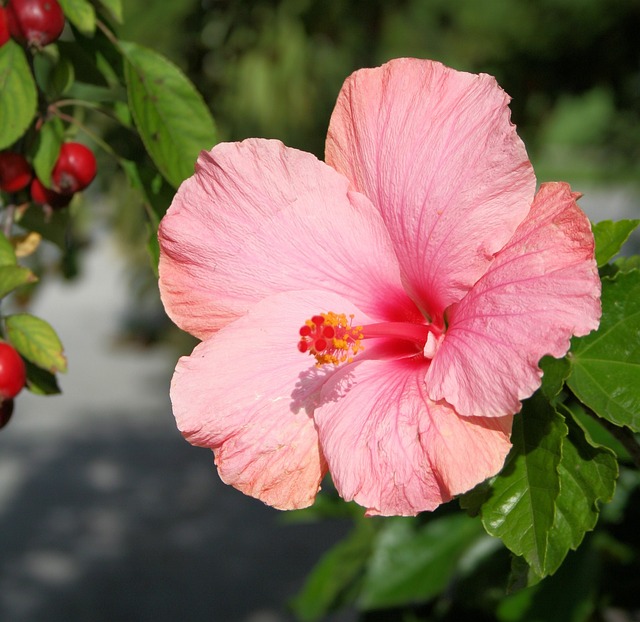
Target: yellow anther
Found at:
331, 338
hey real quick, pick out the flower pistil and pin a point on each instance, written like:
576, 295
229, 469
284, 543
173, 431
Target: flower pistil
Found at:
333, 339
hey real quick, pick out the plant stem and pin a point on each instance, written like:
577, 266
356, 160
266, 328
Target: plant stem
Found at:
83, 128
107, 32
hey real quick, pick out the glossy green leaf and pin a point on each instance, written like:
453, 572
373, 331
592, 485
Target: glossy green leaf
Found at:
50, 138
610, 236
555, 372
7, 254
588, 475
19, 99
336, 579
14, 276
36, 340
81, 14
518, 505
605, 365
412, 564
40, 381
173, 121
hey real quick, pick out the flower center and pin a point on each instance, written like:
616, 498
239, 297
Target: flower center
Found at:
332, 338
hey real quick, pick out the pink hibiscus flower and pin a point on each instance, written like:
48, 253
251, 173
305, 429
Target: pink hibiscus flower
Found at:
380, 316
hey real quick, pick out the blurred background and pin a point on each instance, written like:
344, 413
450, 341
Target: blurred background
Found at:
106, 514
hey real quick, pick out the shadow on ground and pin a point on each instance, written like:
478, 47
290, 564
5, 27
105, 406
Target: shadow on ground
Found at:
125, 522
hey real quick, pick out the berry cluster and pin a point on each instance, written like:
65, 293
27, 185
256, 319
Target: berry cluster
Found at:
31, 22
34, 24
37, 23
73, 171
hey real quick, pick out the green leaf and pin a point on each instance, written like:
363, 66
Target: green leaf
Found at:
588, 475
36, 340
412, 564
336, 579
626, 264
173, 121
81, 14
622, 264
555, 372
599, 434
521, 575
50, 138
97, 94
115, 9
7, 254
40, 381
62, 77
518, 506
19, 99
568, 596
610, 236
605, 365
14, 276
153, 249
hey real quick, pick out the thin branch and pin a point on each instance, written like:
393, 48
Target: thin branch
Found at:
83, 128
108, 33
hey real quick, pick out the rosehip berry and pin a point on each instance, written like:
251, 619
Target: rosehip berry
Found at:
45, 196
75, 168
15, 172
13, 373
6, 410
36, 22
4, 27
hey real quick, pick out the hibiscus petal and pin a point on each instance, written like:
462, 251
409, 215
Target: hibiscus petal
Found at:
248, 394
435, 151
541, 289
393, 450
258, 218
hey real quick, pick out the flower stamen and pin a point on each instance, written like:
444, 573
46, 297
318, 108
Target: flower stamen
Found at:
331, 338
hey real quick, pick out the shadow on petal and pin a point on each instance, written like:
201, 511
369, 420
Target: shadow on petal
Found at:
311, 389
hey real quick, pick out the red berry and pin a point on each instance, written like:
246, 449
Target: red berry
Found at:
36, 22
75, 168
15, 172
13, 373
6, 410
4, 27
45, 196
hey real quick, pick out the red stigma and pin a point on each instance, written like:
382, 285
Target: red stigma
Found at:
330, 338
